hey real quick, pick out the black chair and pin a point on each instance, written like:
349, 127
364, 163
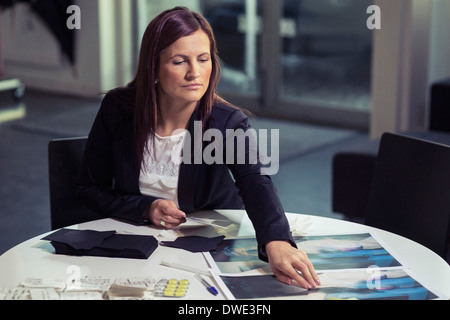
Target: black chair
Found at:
352, 174
410, 191
439, 107
64, 159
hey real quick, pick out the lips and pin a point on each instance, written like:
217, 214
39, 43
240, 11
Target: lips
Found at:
193, 86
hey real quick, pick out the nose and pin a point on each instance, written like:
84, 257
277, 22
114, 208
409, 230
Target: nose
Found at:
193, 72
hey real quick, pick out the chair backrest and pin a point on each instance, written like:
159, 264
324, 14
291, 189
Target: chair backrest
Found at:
410, 191
351, 180
64, 159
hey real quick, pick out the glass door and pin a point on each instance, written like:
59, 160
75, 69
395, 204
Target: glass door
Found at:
326, 54
237, 27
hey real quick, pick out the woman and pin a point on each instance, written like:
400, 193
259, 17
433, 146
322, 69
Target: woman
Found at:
133, 166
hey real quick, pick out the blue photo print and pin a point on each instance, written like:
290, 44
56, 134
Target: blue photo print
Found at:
326, 252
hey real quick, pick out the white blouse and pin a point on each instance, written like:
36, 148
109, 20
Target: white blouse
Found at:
161, 165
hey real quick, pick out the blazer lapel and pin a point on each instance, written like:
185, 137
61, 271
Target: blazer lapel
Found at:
188, 173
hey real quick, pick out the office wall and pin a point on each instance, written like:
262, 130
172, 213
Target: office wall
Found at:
411, 52
440, 41
401, 61
103, 49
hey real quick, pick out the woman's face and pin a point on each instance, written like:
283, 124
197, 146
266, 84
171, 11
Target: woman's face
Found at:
185, 69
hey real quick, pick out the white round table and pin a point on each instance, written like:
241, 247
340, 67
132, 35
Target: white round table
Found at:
35, 257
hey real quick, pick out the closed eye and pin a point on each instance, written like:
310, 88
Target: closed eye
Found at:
204, 57
180, 59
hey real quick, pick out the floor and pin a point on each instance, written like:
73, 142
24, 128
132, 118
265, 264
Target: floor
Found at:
303, 179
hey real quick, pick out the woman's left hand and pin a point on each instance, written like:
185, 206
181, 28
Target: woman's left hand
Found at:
286, 262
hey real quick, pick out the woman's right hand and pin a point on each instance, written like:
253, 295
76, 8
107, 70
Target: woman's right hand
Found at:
165, 214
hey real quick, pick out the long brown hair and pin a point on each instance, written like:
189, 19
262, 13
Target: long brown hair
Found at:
165, 29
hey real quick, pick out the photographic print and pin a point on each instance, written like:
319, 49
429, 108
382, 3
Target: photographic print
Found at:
326, 252
370, 284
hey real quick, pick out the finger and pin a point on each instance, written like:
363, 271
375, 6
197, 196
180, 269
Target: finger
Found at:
160, 219
304, 279
299, 270
171, 222
305, 274
282, 277
289, 275
168, 225
169, 208
310, 267
307, 271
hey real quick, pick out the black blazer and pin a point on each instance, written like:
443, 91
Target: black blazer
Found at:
108, 180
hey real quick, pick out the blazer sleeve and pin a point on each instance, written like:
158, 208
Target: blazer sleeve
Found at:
99, 186
257, 191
